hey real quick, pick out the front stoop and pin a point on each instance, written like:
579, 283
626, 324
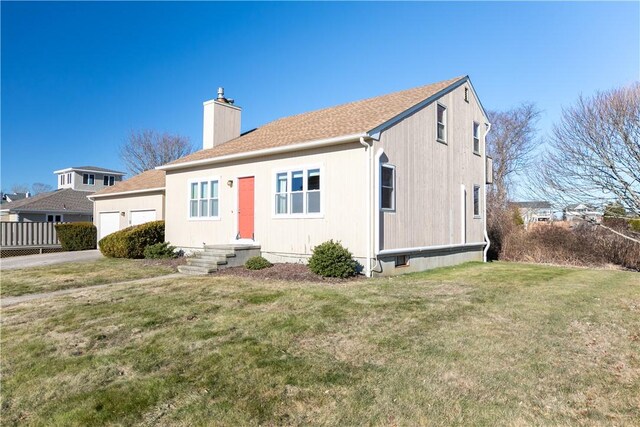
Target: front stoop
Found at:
215, 257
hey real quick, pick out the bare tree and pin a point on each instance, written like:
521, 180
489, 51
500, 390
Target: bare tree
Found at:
510, 143
20, 188
39, 187
148, 149
594, 152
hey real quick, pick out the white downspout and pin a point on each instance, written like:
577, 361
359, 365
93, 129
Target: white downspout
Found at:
368, 149
484, 198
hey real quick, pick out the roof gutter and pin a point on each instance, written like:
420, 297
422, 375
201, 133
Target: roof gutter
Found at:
266, 152
124, 193
484, 199
368, 159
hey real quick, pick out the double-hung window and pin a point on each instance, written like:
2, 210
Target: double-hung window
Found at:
62, 179
203, 199
476, 200
88, 178
476, 138
441, 119
387, 187
298, 193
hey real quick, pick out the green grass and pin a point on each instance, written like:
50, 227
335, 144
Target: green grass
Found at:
76, 275
479, 344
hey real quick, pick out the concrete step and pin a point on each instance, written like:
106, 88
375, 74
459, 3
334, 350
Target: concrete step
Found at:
209, 253
213, 263
195, 270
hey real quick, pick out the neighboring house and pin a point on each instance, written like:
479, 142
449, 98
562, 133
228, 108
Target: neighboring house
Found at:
68, 203
135, 201
12, 197
582, 212
398, 179
532, 212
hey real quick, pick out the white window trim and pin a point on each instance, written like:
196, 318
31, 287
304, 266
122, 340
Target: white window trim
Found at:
446, 123
475, 124
304, 169
89, 175
198, 181
393, 208
69, 178
108, 184
479, 215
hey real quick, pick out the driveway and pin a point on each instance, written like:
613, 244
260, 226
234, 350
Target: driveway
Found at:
48, 259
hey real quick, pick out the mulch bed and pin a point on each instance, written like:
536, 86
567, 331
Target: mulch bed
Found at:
289, 272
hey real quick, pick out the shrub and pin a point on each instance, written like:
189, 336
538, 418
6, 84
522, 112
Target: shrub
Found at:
331, 259
586, 245
77, 236
131, 242
634, 225
257, 263
160, 251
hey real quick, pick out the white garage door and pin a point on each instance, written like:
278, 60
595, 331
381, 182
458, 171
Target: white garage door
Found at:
140, 217
109, 223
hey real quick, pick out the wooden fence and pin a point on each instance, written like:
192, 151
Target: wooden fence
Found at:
28, 234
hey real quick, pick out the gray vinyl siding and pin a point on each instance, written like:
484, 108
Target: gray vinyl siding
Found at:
429, 175
98, 182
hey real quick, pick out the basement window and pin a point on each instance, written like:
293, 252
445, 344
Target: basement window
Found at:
402, 260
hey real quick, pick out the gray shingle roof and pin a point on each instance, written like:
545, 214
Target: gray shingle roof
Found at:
65, 200
96, 169
533, 205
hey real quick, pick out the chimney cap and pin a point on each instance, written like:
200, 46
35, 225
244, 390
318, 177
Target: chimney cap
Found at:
221, 97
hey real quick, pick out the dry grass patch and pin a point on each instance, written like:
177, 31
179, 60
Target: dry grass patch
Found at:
497, 344
77, 275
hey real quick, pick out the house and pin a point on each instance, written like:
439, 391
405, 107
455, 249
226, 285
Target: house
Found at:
135, 201
536, 211
398, 179
12, 197
579, 212
68, 203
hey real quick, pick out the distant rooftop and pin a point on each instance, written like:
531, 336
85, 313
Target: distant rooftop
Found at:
90, 169
539, 204
65, 200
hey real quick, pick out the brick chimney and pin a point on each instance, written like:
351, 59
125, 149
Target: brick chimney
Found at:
221, 121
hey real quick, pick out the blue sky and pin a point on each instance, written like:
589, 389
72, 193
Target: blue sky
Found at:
78, 77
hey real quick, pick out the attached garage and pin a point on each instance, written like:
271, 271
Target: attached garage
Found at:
109, 223
132, 202
140, 217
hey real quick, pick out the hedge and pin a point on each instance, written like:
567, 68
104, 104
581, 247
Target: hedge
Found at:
132, 241
77, 236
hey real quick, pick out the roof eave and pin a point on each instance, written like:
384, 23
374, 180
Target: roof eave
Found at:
375, 132
267, 151
125, 193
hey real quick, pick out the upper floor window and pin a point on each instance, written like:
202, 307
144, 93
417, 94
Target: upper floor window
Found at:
298, 192
476, 200
109, 180
88, 178
441, 118
387, 187
204, 199
68, 177
62, 182
476, 138
466, 94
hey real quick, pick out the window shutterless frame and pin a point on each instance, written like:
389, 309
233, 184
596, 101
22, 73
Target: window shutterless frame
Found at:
476, 138
476, 201
387, 187
203, 199
298, 192
441, 123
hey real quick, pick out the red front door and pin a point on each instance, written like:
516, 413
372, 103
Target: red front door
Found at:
245, 207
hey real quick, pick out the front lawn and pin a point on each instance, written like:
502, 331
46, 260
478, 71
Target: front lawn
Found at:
484, 344
68, 275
